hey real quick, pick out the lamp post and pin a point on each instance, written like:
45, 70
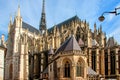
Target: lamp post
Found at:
102, 18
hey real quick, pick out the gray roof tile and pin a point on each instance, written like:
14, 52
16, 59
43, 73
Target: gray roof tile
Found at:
80, 42
66, 22
30, 28
69, 45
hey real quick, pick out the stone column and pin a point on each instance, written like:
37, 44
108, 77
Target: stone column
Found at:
116, 61
97, 61
26, 62
109, 61
41, 64
22, 63
61, 71
102, 62
73, 72
89, 58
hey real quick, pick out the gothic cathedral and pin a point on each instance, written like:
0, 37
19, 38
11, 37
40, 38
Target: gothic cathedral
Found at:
69, 50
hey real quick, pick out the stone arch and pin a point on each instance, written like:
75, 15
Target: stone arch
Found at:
10, 71
81, 59
67, 59
67, 67
80, 65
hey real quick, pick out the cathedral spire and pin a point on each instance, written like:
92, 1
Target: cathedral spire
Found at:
42, 26
18, 12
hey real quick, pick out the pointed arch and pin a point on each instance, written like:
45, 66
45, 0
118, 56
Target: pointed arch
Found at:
67, 67
80, 68
112, 61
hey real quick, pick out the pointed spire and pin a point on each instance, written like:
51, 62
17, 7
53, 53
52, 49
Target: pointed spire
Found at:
43, 7
100, 28
42, 26
94, 26
18, 12
10, 19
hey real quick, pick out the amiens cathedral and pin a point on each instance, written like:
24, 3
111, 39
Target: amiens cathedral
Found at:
69, 50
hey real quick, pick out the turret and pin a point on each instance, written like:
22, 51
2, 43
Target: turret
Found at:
3, 40
95, 31
54, 30
100, 28
10, 25
89, 38
18, 18
17, 30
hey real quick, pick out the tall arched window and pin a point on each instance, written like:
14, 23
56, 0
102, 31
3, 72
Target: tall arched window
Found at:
106, 63
80, 69
94, 60
112, 60
67, 69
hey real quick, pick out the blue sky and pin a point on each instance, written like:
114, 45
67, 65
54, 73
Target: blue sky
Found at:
60, 10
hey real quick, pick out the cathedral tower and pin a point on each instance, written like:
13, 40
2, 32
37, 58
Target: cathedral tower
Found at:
42, 26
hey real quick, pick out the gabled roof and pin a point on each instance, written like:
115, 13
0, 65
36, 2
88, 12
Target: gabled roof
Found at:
30, 28
69, 45
94, 42
80, 42
65, 22
111, 42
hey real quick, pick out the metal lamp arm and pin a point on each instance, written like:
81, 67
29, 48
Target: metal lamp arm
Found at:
101, 18
113, 12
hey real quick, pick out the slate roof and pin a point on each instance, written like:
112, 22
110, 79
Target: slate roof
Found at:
65, 22
30, 28
69, 45
91, 71
111, 42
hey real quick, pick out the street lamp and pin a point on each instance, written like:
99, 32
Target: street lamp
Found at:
102, 18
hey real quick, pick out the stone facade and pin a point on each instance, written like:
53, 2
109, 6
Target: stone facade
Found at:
27, 49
